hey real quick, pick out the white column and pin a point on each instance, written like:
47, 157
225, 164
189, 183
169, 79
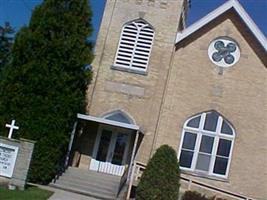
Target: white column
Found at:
131, 182
133, 154
132, 167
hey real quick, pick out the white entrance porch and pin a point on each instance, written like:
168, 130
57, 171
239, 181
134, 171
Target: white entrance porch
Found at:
100, 155
106, 145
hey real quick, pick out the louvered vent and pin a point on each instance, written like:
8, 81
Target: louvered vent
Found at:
135, 46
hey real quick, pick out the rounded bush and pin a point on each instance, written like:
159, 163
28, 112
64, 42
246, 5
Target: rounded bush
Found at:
160, 180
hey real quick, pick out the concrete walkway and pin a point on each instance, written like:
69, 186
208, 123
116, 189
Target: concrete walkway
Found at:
64, 195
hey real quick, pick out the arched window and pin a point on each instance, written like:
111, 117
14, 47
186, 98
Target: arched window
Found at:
119, 116
206, 145
135, 46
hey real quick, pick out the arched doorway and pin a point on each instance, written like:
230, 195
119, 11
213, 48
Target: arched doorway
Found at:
112, 145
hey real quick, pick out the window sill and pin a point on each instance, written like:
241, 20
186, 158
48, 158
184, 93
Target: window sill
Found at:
203, 175
129, 70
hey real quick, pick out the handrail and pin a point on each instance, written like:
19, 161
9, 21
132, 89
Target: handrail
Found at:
61, 169
64, 162
212, 188
139, 167
123, 180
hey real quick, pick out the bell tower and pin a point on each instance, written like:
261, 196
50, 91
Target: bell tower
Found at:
134, 49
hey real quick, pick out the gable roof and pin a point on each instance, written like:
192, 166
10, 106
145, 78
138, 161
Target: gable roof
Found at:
231, 4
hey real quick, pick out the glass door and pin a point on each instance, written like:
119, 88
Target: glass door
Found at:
104, 144
120, 149
111, 150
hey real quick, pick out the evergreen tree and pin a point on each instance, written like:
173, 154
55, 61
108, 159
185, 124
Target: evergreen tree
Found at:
161, 179
44, 86
6, 41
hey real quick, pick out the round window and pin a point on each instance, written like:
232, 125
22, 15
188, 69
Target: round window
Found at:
224, 52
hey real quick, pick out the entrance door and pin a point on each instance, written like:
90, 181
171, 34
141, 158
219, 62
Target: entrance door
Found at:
110, 150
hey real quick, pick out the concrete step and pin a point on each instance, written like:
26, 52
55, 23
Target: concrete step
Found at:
83, 192
85, 188
89, 183
89, 173
86, 178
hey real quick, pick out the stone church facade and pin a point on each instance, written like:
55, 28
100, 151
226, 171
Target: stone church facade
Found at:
200, 89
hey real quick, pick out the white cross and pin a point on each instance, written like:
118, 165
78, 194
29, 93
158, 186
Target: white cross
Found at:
11, 128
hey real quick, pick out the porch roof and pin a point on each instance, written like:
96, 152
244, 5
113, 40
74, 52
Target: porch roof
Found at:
107, 121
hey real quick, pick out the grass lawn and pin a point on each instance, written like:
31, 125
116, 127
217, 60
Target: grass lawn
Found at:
31, 193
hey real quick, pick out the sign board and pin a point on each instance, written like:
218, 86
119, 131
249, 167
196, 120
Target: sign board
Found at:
8, 155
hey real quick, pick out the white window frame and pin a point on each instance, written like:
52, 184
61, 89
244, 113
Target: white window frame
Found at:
132, 68
217, 135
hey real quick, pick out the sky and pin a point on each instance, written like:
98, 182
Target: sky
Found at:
18, 12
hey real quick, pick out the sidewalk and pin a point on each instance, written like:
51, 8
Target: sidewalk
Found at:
62, 194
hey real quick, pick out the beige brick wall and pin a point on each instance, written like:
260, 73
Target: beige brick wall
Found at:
144, 109
194, 86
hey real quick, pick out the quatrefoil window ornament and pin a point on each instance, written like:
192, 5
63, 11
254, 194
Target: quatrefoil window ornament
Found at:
224, 52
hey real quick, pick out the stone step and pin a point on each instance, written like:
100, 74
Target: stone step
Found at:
94, 194
89, 173
90, 183
85, 188
79, 170
85, 178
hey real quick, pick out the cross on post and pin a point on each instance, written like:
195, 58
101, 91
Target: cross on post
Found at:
11, 128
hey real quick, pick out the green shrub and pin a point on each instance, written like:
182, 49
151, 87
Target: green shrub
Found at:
160, 180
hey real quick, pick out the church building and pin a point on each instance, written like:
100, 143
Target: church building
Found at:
200, 89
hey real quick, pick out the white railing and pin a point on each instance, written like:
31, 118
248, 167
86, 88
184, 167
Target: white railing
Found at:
191, 182
139, 168
138, 171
